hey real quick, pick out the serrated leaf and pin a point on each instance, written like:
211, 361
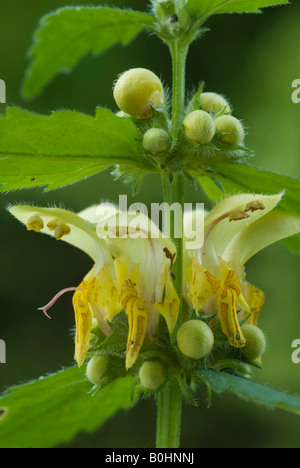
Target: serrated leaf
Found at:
65, 147
54, 409
246, 389
68, 34
245, 178
206, 8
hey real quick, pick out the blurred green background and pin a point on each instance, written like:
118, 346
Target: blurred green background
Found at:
252, 59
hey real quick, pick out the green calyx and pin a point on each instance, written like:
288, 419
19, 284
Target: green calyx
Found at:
156, 140
255, 342
96, 369
195, 339
152, 375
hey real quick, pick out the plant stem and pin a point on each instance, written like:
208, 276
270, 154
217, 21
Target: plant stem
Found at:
174, 193
169, 404
179, 50
169, 399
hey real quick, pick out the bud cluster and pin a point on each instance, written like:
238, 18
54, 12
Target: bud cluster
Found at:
208, 134
197, 343
213, 119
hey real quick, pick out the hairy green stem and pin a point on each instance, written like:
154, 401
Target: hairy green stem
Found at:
169, 405
169, 399
179, 50
174, 193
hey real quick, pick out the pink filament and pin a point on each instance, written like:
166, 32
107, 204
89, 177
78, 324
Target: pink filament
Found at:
53, 301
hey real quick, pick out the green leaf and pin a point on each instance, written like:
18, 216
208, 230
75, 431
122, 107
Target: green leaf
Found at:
54, 409
246, 389
237, 178
206, 8
65, 147
67, 35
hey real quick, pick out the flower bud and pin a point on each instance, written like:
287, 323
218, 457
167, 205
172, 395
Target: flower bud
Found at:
96, 369
152, 375
233, 128
214, 103
199, 126
255, 342
164, 9
156, 140
195, 339
136, 90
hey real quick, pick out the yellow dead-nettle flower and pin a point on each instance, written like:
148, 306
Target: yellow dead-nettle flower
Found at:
215, 280
132, 266
131, 273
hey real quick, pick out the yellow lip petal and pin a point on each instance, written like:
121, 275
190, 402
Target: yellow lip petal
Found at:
136, 310
84, 323
255, 299
203, 286
102, 292
169, 308
227, 298
227, 311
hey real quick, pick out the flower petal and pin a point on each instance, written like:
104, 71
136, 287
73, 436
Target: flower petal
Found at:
169, 308
136, 310
227, 298
256, 299
228, 219
271, 228
203, 286
102, 292
138, 241
81, 234
84, 323
227, 312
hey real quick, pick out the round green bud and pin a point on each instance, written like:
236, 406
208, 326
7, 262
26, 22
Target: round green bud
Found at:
156, 140
214, 103
255, 342
233, 128
199, 126
152, 375
96, 369
195, 339
136, 90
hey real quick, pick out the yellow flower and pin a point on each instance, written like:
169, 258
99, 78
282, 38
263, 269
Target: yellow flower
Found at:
132, 264
234, 231
131, 272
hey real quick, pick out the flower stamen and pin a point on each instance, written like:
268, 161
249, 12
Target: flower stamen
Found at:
35, 223
60, 228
